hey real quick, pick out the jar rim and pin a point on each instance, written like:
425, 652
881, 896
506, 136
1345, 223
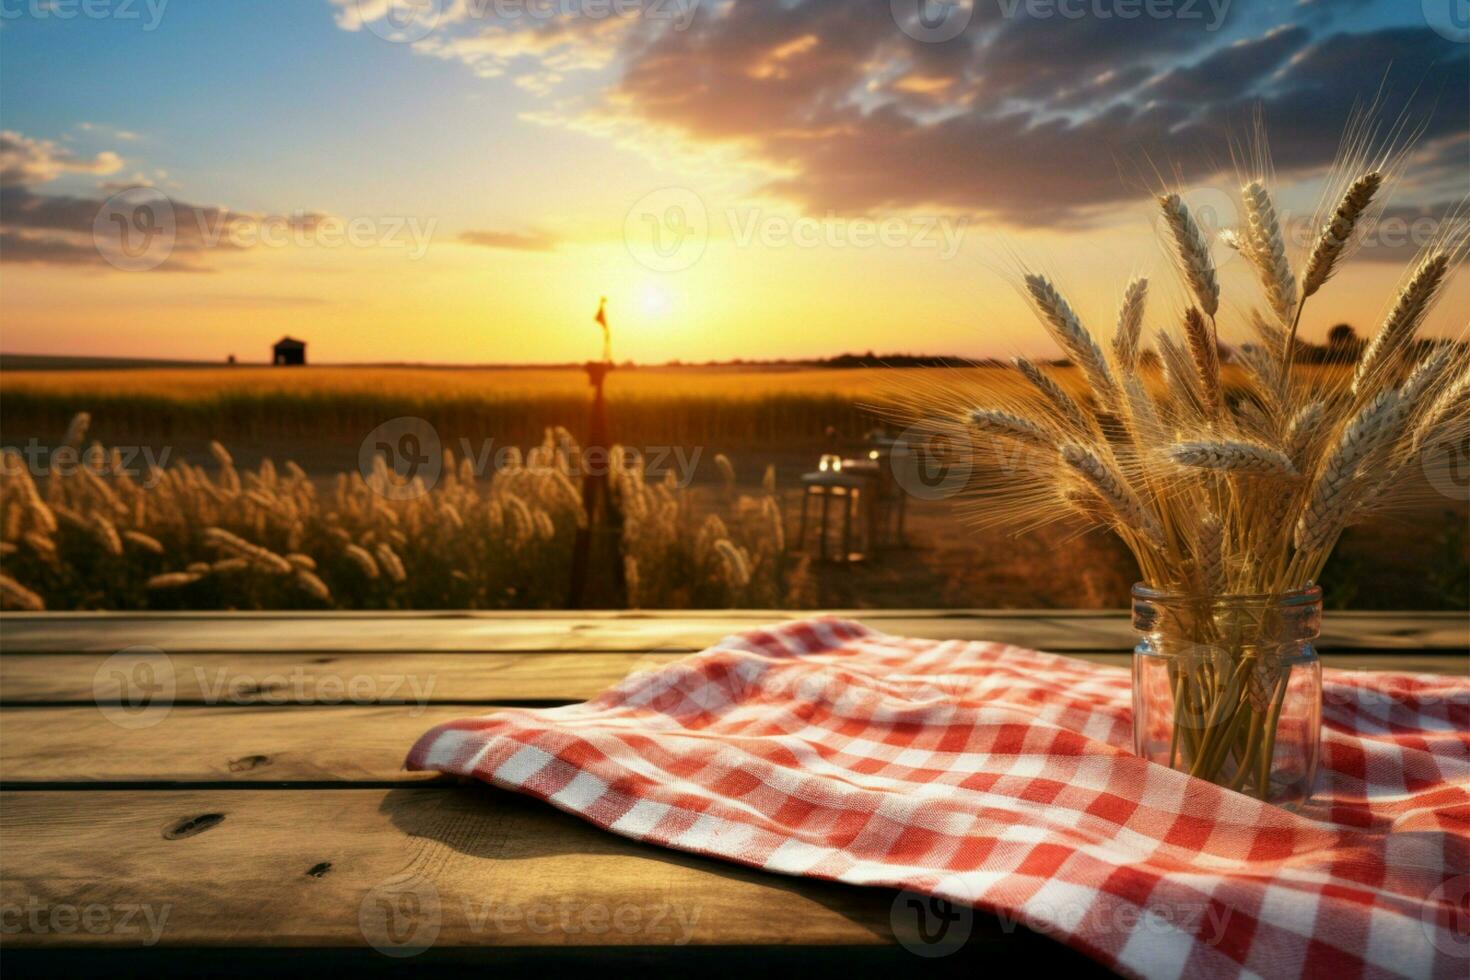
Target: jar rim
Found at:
1306, 595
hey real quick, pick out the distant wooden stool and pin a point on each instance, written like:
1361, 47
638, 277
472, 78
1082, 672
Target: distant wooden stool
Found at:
892, 499
831, 485
871, 498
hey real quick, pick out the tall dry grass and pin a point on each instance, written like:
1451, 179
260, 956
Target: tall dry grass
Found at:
222, 537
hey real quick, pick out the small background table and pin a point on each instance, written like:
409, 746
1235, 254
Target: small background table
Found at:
239, 778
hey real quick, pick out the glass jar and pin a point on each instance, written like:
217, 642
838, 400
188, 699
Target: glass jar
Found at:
1228, 688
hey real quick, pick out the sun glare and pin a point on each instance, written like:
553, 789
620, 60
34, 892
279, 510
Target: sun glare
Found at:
654, 299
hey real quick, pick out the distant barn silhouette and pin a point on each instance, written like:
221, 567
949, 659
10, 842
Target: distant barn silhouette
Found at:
289, 350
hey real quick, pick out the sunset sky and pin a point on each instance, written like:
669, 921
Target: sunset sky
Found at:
740, 179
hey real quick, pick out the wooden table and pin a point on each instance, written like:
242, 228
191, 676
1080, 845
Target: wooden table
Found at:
221, 793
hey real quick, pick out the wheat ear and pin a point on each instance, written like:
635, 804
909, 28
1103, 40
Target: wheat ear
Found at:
1010, 426
1194, 254
1424, 376
1206, 354
1301, 431
1130, 323
1445, 406
1066, 406
1331, 495
1408, 310
1072, 336
1267, 251
1339, 230
1232, 456
1115, 492
1208, 553
1179, 371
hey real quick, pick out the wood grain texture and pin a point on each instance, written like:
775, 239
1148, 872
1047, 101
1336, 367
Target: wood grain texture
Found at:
270, 810
329, 868
233, 680
1060, 631
216, 745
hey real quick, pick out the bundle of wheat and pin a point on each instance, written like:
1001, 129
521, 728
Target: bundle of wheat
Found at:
1220, 490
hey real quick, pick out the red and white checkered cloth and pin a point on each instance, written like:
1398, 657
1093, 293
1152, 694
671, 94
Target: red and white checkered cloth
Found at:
1004, 778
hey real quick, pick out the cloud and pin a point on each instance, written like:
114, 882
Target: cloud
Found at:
517, 241
1230, 72
78, 230
997, 143
1022, 118
111, 132
34, 161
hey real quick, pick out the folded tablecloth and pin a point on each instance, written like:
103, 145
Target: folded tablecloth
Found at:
1003, 779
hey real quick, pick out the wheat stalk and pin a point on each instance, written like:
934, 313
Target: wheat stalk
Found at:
1193, 253
1339, 231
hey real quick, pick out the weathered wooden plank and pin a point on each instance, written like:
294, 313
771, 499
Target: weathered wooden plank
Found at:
325, 679
323, 727
208, 745
396, 869
1058, 631
232, 679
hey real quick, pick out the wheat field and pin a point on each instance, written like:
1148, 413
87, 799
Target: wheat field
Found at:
93, 536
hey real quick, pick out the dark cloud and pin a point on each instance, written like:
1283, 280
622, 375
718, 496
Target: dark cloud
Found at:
1229, 72
517, 241
65, 229
1031, 121
25, 249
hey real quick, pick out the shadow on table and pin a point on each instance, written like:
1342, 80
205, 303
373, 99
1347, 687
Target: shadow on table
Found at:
895, 930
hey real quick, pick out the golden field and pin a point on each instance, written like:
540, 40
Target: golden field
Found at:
455, 546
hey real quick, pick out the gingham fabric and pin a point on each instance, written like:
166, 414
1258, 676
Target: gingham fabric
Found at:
1004, 778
